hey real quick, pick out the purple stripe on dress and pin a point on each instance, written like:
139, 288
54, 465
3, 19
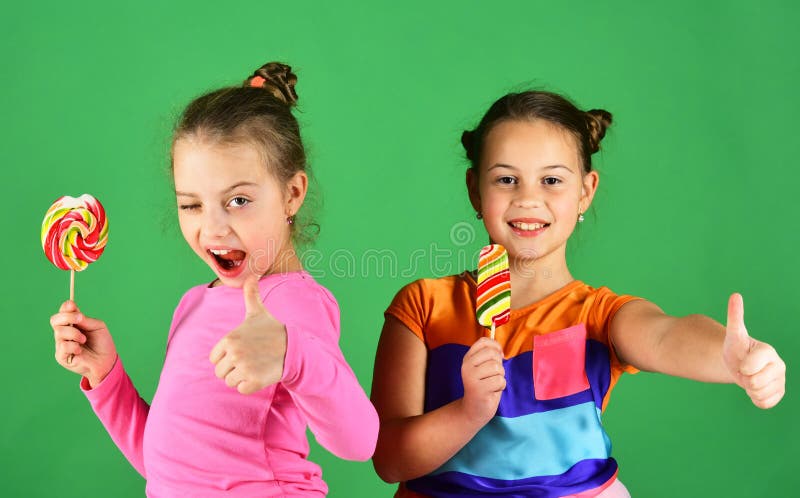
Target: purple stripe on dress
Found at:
583, 476
443, 381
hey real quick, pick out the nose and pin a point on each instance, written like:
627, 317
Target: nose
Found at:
528, 197
215, 223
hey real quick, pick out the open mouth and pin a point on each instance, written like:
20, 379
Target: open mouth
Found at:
228, 260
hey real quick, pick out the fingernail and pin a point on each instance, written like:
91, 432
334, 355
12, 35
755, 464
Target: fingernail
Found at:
79, 317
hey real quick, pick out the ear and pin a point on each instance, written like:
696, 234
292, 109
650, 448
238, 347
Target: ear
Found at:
296, 189
590, 182
473, 189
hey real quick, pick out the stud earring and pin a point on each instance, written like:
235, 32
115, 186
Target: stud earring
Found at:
290, 220
580, 217
479, 215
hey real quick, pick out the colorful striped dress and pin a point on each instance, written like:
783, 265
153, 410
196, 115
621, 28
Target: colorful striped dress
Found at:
547, 438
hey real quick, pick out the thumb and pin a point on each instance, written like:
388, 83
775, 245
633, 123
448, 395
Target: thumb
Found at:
89, 324
736, 332
68, 306
252, 296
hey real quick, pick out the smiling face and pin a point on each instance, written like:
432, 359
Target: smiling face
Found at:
530, 189
233, 211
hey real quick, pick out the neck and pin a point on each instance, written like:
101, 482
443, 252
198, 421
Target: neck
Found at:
533, 280
286, 260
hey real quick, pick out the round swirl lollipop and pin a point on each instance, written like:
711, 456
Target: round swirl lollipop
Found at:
74, 232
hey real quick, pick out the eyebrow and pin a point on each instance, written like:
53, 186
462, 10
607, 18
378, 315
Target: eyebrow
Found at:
240, 184
508, 166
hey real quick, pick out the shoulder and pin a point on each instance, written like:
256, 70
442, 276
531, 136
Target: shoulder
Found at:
603, 296
192, 295
421, 296
299, 299
603, 304
297, 286
436, 287
188, 301
423, 300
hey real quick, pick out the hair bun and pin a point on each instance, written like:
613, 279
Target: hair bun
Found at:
598, 121
276, 78
468, 142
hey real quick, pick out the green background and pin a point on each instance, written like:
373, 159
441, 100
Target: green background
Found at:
698, 179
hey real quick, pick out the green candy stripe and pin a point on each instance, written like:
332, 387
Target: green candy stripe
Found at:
492, 268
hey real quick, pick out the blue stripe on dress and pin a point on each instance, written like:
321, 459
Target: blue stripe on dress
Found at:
443, 381
583, 476
540, 444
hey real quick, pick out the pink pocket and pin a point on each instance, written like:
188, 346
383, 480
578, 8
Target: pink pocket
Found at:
559, 363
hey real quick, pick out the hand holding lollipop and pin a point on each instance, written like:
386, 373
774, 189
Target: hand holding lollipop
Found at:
74, 234
493, 300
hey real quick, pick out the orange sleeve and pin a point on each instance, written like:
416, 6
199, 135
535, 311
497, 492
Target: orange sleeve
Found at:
605, 306
410, 307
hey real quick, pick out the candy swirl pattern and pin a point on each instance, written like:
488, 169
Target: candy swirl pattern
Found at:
493, 299
74, 232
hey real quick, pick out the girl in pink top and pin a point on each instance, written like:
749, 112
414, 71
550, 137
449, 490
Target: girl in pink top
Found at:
252, 358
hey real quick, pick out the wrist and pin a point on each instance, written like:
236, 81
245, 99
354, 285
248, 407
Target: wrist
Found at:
96, 375
93, 380
470, 418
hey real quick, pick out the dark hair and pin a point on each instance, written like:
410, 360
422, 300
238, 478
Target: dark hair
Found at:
588, 127
259, 113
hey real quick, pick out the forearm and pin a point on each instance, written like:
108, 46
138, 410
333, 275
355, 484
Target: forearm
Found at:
415, 446
341, 418
691, 347
327, 392
122, 412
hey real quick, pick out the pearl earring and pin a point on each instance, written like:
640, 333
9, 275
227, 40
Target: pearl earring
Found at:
580, 217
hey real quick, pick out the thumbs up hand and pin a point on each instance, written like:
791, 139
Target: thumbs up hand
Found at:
251, 356
754, 365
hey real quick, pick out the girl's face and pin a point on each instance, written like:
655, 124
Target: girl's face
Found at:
531, 189
233, 211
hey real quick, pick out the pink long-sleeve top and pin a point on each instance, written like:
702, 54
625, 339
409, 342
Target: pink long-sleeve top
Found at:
201, 438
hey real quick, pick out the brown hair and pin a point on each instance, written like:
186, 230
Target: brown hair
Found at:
588, 127
259, 113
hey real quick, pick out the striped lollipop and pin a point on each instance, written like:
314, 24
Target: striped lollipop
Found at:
74, 234
493, 298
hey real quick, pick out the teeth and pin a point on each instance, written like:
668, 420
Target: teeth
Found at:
528, 226
220, 252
